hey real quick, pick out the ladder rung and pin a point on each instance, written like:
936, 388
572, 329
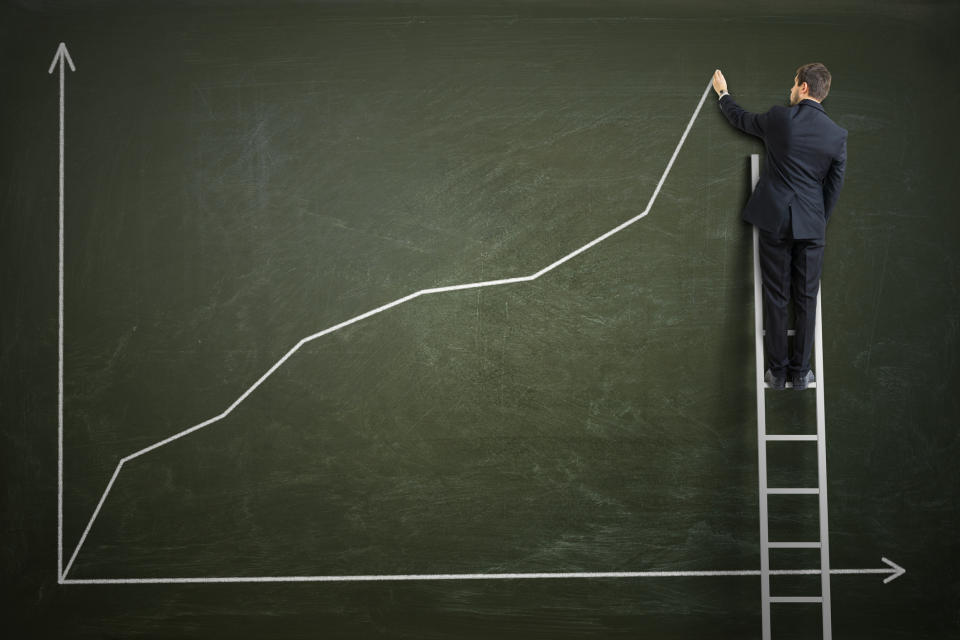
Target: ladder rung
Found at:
812, 385
791, 437
790, 332
794, 599
794, 545
786, 491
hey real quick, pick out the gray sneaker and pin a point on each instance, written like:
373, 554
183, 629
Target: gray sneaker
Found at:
775, 382
802, 382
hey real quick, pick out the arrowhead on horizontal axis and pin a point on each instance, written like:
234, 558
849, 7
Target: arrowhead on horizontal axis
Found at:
59, 56
897, 570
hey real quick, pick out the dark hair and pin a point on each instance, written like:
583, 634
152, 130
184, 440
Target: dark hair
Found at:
817, 78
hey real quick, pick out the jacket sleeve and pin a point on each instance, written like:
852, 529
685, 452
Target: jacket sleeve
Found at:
833, 181
753, 123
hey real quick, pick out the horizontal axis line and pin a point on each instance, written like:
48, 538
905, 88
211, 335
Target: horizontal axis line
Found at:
472, 576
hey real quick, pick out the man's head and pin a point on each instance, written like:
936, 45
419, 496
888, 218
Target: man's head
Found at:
811, 82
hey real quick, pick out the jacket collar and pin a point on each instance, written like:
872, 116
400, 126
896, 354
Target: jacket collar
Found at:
811, 103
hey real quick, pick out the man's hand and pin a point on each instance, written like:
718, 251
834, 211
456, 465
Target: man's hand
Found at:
719, 82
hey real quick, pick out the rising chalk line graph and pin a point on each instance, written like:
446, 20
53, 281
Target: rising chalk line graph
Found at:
62, 59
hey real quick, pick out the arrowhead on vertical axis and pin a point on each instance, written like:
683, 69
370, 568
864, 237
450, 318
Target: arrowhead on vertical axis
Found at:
59, 56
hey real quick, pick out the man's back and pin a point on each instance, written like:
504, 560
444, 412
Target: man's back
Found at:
806, 160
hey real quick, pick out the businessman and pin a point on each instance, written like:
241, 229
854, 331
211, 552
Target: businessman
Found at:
792, 202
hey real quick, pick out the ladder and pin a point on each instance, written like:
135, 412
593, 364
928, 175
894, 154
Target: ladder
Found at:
763, 438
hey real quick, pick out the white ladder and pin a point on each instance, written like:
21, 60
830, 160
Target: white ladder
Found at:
763, 438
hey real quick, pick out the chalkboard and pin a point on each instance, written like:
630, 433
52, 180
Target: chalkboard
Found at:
284, 416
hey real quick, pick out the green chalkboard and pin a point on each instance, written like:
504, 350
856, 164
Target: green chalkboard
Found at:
268, 209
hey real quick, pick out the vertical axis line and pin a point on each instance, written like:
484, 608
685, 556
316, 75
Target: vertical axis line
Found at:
60, 344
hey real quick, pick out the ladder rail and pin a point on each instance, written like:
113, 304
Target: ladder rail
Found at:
761, 419
822, 471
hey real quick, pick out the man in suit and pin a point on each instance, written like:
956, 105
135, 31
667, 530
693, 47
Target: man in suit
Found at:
792, 202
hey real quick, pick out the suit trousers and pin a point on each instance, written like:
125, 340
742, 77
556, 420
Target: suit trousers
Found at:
789, 267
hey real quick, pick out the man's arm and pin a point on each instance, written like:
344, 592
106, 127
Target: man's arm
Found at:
833, 181
753, 123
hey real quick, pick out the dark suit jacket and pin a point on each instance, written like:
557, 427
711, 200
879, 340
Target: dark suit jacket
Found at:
806, 159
